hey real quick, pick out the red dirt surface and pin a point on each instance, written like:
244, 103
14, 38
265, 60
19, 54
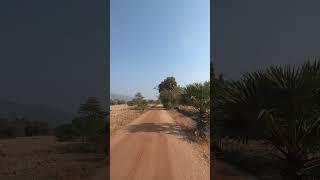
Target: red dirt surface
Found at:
153, 147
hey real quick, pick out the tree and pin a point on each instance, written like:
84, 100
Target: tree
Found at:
18, 127
4, 127
89, 125
167, 84
139, 101
169, 92
170, 98
280, 105
93, 116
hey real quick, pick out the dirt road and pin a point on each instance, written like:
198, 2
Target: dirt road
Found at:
151, 147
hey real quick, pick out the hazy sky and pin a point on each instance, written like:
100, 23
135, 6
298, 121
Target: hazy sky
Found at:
51, 52
153, 39
252, 34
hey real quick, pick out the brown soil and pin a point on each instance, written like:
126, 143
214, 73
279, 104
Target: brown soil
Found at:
43, 158
154, 146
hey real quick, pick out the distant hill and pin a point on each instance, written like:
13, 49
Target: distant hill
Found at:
120, 97
53, 116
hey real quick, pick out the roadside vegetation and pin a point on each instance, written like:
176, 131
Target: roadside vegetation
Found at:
35, 150
196, 95
117, 102
89, 127
278, 106
123, 113
21, 126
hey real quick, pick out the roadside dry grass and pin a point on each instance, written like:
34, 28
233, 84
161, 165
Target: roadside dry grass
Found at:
121, 115
201, 145
43, 158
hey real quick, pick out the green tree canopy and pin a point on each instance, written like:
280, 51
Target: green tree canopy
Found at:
167, 84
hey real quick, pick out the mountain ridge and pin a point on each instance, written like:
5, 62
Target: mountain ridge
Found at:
120, 97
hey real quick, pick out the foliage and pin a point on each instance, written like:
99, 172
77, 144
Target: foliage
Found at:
168, 84
93, 117
280, 105
198, 96
117, 101
20, 127
88, 125
170, 98
130, 103
139, 101
169, 92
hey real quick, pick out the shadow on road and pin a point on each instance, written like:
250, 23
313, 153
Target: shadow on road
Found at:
157, 108
167, 128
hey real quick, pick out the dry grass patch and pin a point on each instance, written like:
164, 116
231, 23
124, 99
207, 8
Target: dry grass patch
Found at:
41, 158
121, 115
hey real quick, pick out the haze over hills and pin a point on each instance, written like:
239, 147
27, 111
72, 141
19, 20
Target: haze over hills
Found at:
120, 97
40, 112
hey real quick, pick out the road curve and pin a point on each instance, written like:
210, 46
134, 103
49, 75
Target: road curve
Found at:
151, 148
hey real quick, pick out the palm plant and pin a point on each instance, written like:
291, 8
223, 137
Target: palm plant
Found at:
198, 96
280, 105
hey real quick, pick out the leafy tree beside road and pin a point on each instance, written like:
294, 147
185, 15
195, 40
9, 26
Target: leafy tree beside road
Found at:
169, 92
139, 101
167, 84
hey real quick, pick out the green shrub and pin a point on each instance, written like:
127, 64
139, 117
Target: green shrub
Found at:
280, 105
198, 96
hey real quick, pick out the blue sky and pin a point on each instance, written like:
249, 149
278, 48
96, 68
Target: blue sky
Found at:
153, 39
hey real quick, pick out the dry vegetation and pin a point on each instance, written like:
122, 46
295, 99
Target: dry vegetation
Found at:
43, 158
120, 115
184, 120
